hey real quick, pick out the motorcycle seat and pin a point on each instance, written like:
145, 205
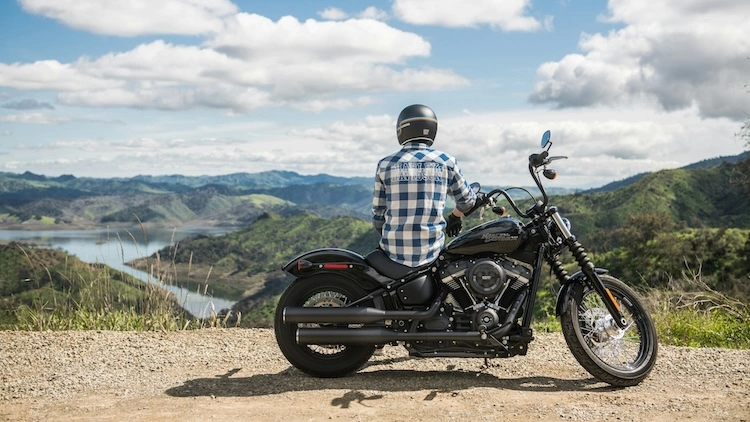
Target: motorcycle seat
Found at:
378, 260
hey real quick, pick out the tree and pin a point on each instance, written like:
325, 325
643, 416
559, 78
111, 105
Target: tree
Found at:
741, 174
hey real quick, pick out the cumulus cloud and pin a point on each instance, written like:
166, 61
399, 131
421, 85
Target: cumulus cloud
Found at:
133, 18
492, 148
251, 62
336, 14
670, 54
333, 14
509, 15
602, 145
27, 104
33, 118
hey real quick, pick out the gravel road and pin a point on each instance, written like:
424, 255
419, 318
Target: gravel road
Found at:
240, 374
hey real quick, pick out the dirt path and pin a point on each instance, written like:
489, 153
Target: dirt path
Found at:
239, 374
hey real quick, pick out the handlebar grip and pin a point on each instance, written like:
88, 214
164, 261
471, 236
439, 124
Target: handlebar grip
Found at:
537, 160
480, 201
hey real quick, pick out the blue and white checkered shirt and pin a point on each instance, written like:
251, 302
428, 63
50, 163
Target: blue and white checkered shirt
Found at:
411, 187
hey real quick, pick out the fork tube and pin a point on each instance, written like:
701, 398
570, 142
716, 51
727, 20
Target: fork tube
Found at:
580, 255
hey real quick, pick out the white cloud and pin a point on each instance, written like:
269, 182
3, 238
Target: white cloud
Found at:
492, 148
33, 118
291, 42
333, 14
672, 55
373, 13
508, 15
603, 146
255, 62
136, 17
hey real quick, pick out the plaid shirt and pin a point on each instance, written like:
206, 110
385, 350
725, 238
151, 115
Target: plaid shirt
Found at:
411, 187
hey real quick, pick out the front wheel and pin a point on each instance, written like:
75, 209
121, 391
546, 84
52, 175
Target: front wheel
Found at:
620, 357
330, 360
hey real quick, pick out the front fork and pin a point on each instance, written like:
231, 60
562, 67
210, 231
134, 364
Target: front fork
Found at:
587, 267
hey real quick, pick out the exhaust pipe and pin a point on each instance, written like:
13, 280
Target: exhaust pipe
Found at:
297, 315
352, 315
376, 336
379, 335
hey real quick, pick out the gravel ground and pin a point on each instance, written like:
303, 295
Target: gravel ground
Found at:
240, 373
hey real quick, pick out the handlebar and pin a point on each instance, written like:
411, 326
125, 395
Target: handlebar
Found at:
535, 161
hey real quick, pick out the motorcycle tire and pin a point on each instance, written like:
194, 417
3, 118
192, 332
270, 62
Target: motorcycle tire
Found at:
326, 361
619, 357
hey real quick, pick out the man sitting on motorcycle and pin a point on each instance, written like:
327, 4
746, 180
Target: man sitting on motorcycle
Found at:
411, 188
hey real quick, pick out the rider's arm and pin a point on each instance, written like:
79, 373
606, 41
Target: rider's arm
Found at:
378, 204
461, 192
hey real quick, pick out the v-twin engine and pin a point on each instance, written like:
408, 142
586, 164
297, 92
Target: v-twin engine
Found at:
483, 290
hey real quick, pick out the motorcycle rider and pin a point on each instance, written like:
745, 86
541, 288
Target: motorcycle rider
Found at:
411, 187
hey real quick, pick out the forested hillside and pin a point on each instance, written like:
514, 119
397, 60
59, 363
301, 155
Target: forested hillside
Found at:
704, 197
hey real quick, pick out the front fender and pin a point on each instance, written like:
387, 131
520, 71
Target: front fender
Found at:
567, 288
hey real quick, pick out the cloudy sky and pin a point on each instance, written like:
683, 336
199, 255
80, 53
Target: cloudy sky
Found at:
112, 88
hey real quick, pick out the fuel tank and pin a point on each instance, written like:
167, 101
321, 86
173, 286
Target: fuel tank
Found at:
502, 235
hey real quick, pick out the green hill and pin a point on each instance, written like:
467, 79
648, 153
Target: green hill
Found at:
704, 197
74, 295
245, 265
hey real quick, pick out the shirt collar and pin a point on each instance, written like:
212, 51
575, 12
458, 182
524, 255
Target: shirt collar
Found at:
415, 145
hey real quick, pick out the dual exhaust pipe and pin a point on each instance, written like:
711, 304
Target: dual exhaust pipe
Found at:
380, 335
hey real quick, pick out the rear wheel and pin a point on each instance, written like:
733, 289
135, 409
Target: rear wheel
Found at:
620, 357
333, 360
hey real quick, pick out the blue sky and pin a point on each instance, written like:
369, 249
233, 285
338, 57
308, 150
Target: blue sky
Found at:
109, 88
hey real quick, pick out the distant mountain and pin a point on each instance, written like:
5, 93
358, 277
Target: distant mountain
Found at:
29, 200
262, 180
233, 199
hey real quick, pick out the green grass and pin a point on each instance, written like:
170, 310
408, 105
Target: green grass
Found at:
687, 327
690, 313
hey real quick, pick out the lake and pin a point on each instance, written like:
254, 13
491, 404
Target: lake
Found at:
115, 247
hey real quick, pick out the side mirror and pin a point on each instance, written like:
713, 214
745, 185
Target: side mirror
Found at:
545, 138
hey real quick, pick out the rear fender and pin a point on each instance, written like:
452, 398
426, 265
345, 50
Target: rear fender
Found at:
568, 288
339, 261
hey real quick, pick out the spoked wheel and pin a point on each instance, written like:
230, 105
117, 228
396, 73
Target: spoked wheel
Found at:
332, 360
620, 357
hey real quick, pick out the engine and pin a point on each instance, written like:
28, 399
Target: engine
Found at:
483, 290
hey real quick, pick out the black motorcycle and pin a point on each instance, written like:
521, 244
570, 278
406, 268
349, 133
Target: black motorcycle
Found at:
475, 300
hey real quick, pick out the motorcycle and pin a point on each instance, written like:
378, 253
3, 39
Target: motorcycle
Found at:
475, 301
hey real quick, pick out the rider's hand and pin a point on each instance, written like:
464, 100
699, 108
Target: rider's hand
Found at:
454, 225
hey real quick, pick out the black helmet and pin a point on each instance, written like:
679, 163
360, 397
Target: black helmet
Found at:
416, 123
